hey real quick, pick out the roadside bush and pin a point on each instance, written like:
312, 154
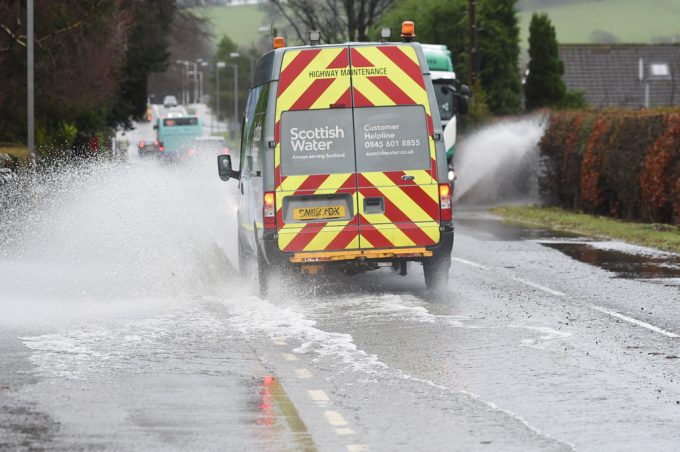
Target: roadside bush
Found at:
619, 163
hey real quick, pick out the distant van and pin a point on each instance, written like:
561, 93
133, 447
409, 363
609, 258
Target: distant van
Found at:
176, 135
342, 163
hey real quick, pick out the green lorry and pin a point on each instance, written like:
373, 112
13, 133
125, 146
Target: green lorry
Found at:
452, 95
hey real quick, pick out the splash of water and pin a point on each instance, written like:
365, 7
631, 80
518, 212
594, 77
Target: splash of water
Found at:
113, 233
500, 163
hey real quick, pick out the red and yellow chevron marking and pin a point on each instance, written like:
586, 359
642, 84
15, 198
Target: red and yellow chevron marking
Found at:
335, 235
401, 84
411, 216
312, 79
380, 76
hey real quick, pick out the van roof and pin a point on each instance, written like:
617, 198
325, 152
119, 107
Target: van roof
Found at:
265, 70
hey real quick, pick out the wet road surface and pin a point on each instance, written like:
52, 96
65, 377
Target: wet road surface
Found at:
134, 332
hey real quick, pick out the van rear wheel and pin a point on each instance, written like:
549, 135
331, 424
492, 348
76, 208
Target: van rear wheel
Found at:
263, 271
242, 256
436, 271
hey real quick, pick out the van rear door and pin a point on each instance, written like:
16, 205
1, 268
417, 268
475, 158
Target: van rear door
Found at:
315, 176
398, 200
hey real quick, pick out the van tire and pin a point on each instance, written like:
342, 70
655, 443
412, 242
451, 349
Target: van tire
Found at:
436, 271
262, 274
242, 256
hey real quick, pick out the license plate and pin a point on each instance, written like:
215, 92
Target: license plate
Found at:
319, 212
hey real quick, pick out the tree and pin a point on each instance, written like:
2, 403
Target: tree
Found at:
336, 20
446, 22
147, 52
437, 22
499, 55
544, 85
92, 62
79, 50
225, 49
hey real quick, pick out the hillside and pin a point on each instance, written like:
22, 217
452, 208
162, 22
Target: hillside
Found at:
582, 21
241, 23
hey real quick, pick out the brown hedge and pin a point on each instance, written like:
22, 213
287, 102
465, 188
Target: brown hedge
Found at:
624, 164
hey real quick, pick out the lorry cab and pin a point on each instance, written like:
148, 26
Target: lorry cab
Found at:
452, 96
342, 163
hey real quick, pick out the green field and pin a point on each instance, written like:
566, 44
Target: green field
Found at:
631, 21
240, 23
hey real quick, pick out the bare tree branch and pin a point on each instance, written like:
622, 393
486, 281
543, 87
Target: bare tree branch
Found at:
337, 20
283, 12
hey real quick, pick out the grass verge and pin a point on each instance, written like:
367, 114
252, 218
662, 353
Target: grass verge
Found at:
17, 151
661, 236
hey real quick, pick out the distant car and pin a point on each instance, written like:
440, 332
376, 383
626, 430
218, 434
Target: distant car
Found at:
169, 101
208, 146
149, 148
175, 112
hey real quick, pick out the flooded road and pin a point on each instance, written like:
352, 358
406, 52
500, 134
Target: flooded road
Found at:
125, 326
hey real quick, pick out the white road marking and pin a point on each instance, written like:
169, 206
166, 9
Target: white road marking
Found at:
357, 448
318, 396
303, 374
344, 431
470, 263
334, 418
635, 321
289, 357
279, 342
540, 287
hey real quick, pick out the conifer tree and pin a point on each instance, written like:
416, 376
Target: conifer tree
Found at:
499, 55
544, 86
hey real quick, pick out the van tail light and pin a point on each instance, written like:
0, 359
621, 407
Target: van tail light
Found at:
269, 210
161, 148
445, 206
141, 144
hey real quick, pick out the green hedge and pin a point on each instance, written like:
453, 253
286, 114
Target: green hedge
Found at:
624, 164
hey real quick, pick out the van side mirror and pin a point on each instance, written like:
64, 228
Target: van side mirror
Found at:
224, 168
463, 105
155, 127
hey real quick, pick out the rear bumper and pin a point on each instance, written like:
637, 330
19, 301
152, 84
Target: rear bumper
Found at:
276, 256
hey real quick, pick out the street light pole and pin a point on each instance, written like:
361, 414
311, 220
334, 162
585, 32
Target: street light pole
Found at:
30, 80
235, 66
219, 65
235, 99
195, 80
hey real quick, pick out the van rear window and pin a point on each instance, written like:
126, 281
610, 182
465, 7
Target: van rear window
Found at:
317, 142
391, 138
187, 121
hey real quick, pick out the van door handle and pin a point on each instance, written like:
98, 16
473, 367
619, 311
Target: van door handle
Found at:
241, 187
407, 177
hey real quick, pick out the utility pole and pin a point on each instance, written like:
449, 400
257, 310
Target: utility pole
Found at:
474, 51
30, 80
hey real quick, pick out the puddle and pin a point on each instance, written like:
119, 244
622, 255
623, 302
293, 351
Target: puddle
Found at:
495, 230
661, 268
626, 261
